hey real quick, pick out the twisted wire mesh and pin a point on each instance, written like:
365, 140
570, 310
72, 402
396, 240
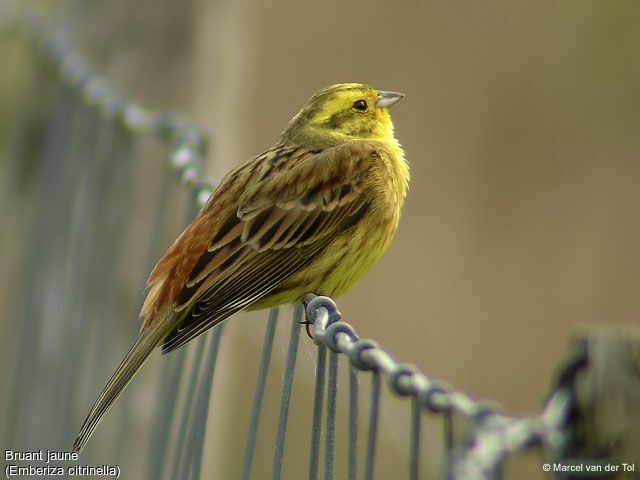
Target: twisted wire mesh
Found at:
495, 434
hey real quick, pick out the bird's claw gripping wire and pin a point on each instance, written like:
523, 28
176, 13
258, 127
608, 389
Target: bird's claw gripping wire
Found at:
306, 322
312, 303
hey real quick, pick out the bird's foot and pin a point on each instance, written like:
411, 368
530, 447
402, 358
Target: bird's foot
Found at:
306, 322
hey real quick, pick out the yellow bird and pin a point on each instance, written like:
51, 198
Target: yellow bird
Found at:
311, 214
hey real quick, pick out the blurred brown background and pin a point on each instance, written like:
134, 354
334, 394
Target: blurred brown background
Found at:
522, 128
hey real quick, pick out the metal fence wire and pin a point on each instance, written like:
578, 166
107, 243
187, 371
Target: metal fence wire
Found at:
73, 178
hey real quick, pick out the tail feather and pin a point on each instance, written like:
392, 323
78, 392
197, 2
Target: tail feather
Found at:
121, 378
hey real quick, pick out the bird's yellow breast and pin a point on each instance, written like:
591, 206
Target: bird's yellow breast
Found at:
350, 255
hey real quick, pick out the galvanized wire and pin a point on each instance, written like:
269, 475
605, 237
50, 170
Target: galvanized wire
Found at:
318, 400
169, 384
372, 435
189, 141
330, 431
30, 310
199, 415
182, 457
261, 382
414, 442
495, 434
353, 424
287, 386
168, 395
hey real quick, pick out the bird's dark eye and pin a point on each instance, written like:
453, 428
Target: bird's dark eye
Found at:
360, 105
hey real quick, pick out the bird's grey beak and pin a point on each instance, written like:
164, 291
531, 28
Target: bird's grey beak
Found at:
386, 99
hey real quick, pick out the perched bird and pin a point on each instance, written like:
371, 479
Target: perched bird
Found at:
311, 214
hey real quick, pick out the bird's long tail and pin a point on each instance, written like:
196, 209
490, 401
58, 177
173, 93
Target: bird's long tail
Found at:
121, 378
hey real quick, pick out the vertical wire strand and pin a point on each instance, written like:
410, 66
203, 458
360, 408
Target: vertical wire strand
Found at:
196, 364
168, 395
195, 409
318, 399
115, 199
153, 251
332, 393
80, 260
353, 423
447, 444
414, 441
169, 388
110, 315
195, 442
374, 408
498, 471
60, 315
261, 382
38, 263
286, 393
21, 173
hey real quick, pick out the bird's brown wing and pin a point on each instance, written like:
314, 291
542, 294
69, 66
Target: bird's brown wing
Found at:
291, 209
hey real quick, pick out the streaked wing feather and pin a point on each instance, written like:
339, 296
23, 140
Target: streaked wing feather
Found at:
277, 230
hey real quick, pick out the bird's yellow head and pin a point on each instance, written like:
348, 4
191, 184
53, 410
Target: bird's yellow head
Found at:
341, 113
